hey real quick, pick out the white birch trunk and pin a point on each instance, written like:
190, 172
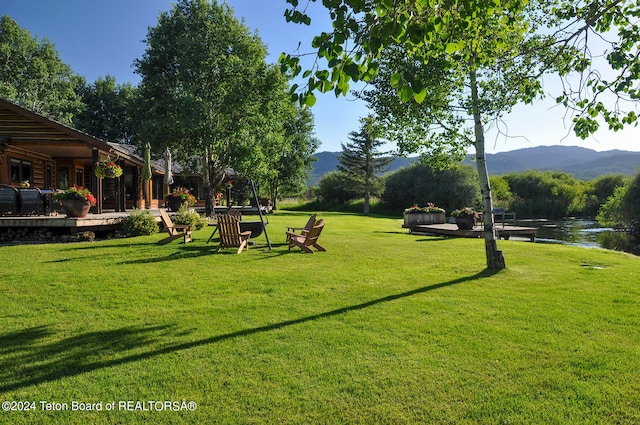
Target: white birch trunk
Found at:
495, 258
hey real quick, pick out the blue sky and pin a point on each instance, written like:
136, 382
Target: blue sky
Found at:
98, 37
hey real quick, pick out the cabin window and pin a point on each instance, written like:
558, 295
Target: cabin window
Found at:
48, 176
79, 177
20, 170
64, 178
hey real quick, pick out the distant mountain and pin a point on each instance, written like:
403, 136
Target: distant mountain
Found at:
328, 161
582, 163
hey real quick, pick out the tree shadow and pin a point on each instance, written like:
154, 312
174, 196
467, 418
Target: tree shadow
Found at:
27, 357
192, 250
100, 245
434, 239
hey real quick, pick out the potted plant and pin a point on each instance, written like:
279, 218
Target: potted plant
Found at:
465, 218
108, 169
416, 215
179, 196
76, 201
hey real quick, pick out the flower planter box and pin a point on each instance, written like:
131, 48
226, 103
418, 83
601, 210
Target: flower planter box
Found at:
416, 219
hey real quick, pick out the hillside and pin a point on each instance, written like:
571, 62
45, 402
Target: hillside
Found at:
328, 161
582, 163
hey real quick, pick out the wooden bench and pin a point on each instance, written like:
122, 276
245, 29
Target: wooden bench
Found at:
503, 216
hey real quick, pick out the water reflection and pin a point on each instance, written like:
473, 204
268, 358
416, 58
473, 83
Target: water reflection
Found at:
583, 233
579, 232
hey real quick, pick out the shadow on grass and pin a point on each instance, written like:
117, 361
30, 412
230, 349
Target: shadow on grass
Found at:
196, 250
434, 239
28, 358
90, 246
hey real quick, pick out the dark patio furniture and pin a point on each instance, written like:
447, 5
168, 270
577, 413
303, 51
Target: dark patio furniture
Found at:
30, 201
8, 200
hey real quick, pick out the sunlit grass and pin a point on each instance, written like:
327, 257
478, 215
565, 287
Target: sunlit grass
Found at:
383, 328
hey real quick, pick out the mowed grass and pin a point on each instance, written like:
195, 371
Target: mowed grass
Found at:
383, 328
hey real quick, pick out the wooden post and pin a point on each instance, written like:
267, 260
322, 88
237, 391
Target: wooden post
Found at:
96, 182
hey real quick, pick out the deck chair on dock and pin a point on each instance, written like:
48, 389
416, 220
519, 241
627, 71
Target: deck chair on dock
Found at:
175, 230
309, 239
302, 230
230, 234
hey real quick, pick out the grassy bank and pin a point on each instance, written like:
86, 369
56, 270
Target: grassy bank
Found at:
384, 328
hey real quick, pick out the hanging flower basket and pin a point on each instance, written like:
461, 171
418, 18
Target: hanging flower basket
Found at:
108, 169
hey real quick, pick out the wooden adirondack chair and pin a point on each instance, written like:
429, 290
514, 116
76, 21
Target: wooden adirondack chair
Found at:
302, 230
230, 234
233, 213
308, 240
175, 230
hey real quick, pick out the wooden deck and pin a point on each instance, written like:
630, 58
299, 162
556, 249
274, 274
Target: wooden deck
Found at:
448, 229
92, 222
107, 221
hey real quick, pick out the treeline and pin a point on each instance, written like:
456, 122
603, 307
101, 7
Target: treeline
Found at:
613, 199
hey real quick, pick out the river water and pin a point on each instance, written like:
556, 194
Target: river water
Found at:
578, 232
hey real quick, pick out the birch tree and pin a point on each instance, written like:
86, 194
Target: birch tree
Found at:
478, 46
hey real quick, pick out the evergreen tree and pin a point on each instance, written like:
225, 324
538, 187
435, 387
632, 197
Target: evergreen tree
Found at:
362, 162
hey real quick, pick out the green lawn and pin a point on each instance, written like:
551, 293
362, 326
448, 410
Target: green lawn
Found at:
384, 328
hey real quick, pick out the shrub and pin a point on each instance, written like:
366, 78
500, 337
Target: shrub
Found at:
337, 187
500, 192
419, 184
599, 190
544, 193
140, 223
188, 216
623, 208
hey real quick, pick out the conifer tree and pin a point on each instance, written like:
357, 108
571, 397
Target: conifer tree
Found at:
362, 162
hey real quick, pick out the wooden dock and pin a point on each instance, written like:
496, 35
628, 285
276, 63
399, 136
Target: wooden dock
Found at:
448, 229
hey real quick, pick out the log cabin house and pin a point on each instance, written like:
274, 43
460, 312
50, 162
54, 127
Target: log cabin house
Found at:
52, 156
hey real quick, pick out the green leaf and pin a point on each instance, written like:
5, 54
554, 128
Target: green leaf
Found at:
451, 48
381, 10
395, 80
352, 71
310, 100
419, 97
405, 93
